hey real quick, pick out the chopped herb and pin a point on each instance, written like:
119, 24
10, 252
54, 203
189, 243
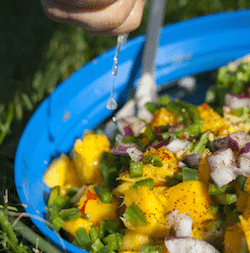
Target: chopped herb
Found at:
145, 182
135, 216
152, 159
71, 214
103, 194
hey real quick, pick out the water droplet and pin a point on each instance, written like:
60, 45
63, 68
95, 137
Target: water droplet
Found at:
111, 105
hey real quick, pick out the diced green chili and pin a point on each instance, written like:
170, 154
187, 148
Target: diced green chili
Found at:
108, 172
152, 159
146, 182
113, 241
240, 112
151, 248
189, 174
82, 238
97, 246
135, 216
149, 134
54, 217
103, 194
226, 198
94, 233
111, 226
214, 190
199, 147
170, 181
102, 229
136, 169
54, 192
241, 181
61, 203
178, 176
106, 249
71, 214
213, 209
109, 177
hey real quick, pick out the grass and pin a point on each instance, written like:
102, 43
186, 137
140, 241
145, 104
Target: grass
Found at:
36, 55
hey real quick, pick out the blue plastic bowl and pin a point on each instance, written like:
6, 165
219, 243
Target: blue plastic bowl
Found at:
186, 48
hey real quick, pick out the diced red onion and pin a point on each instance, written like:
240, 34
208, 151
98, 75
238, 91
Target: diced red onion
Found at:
188, 245
182, 223
135, 124
159, 144
121, 148
224, 175
177, 145
238, 140
181, 164
176, 128
135, 154
193, 160
128, 131
244, 166
245, 151
235, 101
221, 158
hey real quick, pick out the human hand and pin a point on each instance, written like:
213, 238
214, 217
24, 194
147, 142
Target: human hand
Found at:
97, 17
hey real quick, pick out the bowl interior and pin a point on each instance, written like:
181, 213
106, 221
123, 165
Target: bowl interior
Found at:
185, 48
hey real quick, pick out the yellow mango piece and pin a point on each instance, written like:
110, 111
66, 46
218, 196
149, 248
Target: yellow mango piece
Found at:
129, 252
86, 157
212, 120
149, 171
245, 225
203, 167
167, 159
242, 199
226, 130
247, 185
61, 172
146, 200
121, 188
98, 211
72, 225
152, 209
154, 228
189, 197
159, 192
246, 210
233, 239
133, 241
158, 174
163, 117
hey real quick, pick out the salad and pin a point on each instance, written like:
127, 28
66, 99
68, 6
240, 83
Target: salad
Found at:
180, 183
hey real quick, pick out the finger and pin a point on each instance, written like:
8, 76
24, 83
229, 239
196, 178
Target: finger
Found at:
130, 24
107, 18
86, 3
